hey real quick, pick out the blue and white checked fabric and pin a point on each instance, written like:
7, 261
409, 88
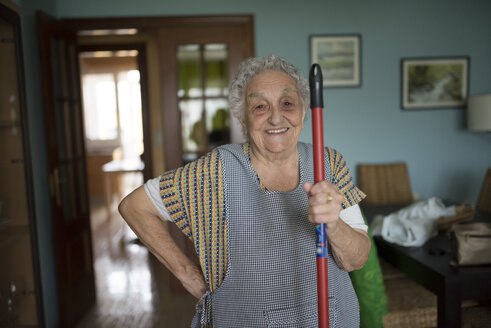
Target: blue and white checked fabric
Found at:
271, 278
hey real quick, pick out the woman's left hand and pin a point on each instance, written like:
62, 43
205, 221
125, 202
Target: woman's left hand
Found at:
324, 203
350, 247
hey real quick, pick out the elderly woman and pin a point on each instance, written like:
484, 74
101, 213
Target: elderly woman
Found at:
250, 209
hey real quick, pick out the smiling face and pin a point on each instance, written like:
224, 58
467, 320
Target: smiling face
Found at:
274, 113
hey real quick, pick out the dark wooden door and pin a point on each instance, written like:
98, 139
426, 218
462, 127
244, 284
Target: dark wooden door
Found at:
234, 32
67, 171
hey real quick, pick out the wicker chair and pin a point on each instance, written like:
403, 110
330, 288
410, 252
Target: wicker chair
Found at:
484, 200
385, 183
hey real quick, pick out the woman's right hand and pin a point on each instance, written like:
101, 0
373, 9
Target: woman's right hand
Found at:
153, 231
192, 279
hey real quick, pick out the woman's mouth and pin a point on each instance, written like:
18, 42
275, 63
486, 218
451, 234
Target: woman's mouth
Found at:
276, 131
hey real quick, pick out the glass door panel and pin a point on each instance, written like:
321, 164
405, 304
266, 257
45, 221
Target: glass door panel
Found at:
216, 68
100, 112
189, 68
192, 129
218, 122
202, 98
130, 113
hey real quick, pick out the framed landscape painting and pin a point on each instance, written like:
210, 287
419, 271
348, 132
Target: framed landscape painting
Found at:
338, 57
434, 82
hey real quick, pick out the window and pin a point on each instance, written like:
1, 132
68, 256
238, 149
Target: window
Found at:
112, 102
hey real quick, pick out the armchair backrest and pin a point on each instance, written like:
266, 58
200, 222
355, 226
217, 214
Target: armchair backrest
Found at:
385, 183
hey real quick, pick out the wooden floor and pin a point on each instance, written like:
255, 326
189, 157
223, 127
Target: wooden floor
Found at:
133, 288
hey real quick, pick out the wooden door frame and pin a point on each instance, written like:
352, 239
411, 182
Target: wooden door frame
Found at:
142, 67
171, 132
171, 38
66, 234
239, 39
152, 22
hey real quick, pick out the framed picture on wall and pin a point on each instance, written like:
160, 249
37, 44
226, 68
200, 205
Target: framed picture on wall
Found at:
434, 82
339, 57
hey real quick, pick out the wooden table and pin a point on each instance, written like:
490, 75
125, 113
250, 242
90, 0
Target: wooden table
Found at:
116, 168
429, 265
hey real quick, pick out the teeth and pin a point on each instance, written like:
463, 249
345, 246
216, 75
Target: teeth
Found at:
277, 131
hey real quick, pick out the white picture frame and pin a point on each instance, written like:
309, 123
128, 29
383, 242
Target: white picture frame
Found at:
439, 82
339, 56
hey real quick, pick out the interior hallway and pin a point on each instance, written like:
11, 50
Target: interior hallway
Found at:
132, 287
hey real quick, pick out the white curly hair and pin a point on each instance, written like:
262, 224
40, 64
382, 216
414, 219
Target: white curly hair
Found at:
251, 67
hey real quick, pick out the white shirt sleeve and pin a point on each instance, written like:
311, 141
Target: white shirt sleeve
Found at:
353, 217
152, 188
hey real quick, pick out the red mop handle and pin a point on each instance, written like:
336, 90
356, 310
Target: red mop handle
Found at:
316, 103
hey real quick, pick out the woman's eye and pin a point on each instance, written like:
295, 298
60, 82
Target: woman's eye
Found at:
288, 104
260, 108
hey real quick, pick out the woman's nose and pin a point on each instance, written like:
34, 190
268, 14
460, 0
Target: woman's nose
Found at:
276, 116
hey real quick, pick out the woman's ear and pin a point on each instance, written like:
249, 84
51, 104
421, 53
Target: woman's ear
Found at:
242, 121
304, 112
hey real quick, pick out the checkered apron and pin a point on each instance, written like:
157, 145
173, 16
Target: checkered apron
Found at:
271, 278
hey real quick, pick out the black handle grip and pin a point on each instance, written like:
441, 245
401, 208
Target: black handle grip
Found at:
315, 82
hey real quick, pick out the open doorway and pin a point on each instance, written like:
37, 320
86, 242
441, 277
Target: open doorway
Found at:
112, 107
113, 97
130, 283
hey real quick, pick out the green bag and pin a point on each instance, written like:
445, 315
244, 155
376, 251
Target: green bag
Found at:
369, 286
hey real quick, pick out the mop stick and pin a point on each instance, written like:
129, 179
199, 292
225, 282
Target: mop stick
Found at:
316, 103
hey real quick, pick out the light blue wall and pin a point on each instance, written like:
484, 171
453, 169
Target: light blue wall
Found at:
366, 124
38, 152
